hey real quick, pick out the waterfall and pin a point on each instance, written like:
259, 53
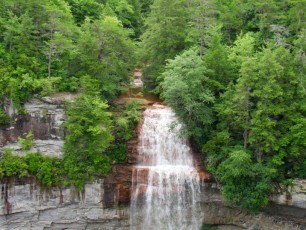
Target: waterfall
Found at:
165, 183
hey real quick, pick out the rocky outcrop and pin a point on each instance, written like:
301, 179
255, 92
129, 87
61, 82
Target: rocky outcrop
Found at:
26, 205
44, 118
294, 195
104, 204
118, 183
228, 217
274, 216
33, 207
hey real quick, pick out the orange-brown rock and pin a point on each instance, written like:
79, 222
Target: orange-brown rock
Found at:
118, 184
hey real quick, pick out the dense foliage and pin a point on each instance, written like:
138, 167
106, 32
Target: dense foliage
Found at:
125, 128
87, 47
92, 144
186, 89
89, 127
48, 171
236, 78
47, 46
234, 71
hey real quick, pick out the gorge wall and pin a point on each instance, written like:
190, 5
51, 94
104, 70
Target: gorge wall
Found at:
33, 207
104, 204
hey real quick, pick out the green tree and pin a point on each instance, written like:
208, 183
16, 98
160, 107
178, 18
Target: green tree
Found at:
300, 57
296, 15
164, 37
145, 6
27, 142
129, 13
4, 118
261, 113
89, 127
47, 170
12, 165
185, 87
221, 72
59, 30
124, 129
229, 14
201, 21
106, 54
82, 9
38, 37
245, 183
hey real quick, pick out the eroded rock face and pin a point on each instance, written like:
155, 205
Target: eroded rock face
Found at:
33, 207
294, 195
274, 216
36, 208
26, 205
118, 183
216, 213
44, 117
105, 203
50, 147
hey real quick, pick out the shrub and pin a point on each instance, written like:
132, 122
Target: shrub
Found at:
27, 143
4, 118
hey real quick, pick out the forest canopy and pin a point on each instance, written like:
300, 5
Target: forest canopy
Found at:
84, 47
234, 71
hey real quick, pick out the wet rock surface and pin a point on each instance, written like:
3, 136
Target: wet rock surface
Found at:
118, 183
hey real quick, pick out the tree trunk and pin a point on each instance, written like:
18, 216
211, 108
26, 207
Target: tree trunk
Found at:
50, 55
247, 118
49, 61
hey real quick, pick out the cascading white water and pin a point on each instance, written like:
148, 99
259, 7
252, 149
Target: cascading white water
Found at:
166, 185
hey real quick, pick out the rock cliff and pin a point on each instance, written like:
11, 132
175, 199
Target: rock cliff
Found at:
104, 204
